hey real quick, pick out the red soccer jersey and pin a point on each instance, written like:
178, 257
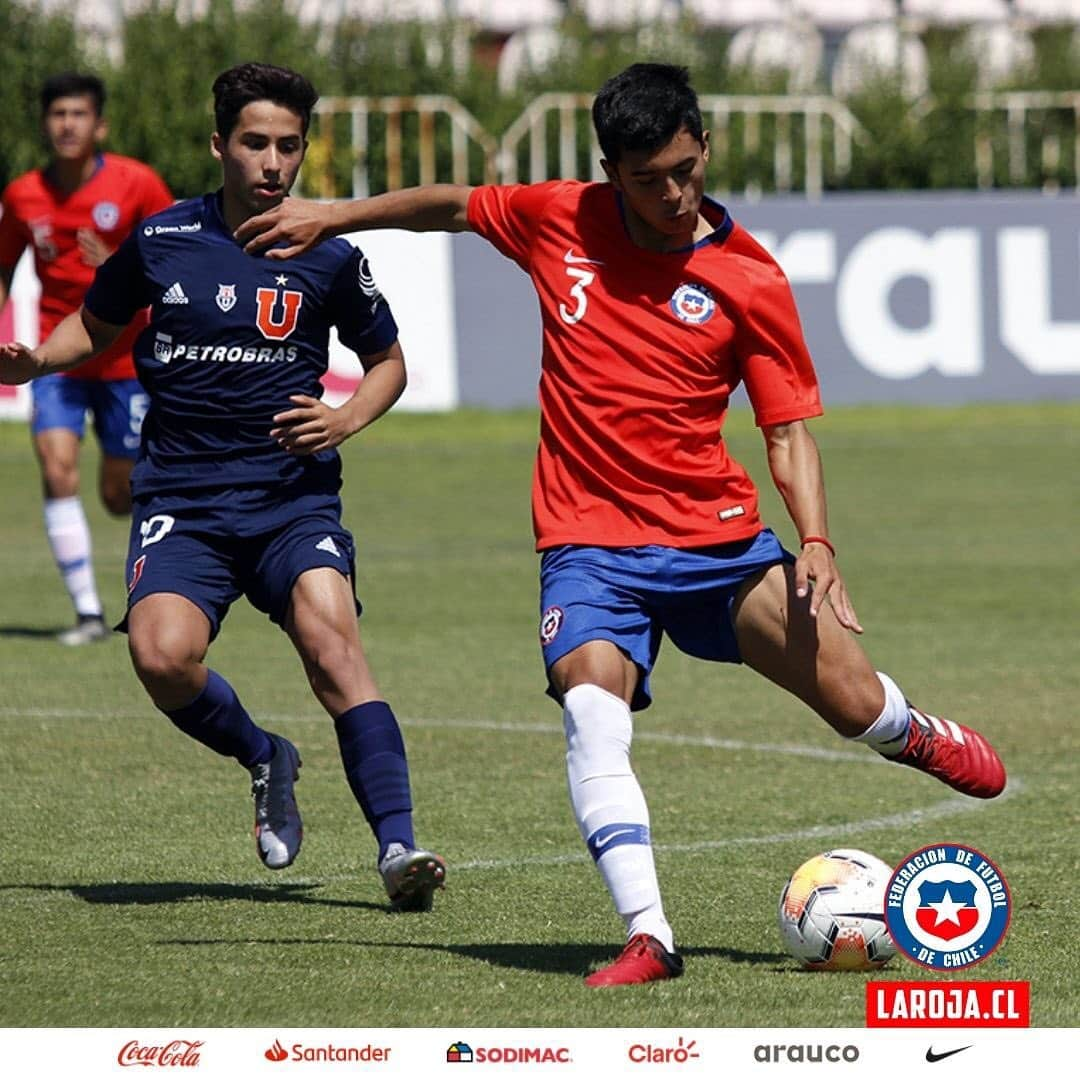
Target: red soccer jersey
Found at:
641, 353
112, 202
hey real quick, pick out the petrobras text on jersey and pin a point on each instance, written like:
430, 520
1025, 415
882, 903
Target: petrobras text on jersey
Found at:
166, 351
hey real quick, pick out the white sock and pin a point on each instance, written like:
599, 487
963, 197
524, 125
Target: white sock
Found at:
69, 538
888, 733
610, 808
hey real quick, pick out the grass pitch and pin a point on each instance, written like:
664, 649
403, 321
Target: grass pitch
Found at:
130, 892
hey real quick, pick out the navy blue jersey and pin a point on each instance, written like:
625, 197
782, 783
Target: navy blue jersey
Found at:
231, 337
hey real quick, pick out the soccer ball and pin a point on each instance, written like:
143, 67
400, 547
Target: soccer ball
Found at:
832, 912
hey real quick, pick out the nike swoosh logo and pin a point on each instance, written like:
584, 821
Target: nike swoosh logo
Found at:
931, 1056
611, 836
570, 257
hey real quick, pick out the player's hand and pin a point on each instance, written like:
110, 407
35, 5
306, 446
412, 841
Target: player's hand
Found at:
298, 223
816, 565
94, 250
17, 364
310, 427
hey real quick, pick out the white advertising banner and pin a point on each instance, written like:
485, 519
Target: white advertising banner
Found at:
924, 298
716, 1053
413, 272
19, 322
930, 298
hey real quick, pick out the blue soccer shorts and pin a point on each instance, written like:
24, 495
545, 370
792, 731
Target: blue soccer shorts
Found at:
118, 407
633, 596
213, 548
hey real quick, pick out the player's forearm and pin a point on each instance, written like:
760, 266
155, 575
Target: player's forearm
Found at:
76, 340
796, 470
432, 208
380, 387
6, 274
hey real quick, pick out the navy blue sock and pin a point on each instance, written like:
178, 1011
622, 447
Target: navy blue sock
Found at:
373, 754
218, 720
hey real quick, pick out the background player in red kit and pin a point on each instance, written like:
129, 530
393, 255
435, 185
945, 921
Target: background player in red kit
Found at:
655, 306
74, 213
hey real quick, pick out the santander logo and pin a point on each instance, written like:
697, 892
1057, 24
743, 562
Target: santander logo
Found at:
179, 1052
277, 1052
329, 1052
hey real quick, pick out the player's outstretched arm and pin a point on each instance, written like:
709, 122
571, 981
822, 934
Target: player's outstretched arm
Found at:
300, 224
312, 425
78, 338
796, 470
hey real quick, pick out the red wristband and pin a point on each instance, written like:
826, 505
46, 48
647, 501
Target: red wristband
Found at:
819, 540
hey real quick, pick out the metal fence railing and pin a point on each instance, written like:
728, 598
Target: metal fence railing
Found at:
761, 143
1035, 135
772, 142
395, 142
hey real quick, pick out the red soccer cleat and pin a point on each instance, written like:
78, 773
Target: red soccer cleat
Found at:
643, 960
953, 753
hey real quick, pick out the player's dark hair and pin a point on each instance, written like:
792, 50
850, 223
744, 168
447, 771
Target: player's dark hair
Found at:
73, 84
241, 85
643, 108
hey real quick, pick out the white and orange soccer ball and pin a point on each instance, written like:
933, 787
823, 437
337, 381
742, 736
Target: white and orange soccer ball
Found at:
832, 912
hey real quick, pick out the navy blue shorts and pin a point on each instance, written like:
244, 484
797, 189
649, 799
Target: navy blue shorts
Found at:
117, 405
633, 596
214, 547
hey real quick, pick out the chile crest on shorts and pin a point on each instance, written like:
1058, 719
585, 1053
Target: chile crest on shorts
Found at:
947, 907
692, 303
550, 624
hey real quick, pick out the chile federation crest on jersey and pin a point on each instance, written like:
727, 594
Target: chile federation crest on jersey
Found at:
692, 303
106, 216
947, 907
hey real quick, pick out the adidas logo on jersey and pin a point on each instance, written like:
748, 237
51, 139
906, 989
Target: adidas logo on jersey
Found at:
174, 294
327, 544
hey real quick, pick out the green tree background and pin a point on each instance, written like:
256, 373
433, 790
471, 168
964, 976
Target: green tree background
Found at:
160, 109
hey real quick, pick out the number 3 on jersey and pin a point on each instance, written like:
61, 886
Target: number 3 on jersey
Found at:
583, 279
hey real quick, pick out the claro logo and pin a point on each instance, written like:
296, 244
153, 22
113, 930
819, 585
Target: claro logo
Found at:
653, 1054
797, 1053
179, 1052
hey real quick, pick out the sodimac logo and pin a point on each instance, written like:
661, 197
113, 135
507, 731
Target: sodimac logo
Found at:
182, 1053
463, 1053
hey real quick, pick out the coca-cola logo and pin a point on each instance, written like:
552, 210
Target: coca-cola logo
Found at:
183, 1052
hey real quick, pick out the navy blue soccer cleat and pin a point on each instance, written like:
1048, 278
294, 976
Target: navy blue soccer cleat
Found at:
278, 828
